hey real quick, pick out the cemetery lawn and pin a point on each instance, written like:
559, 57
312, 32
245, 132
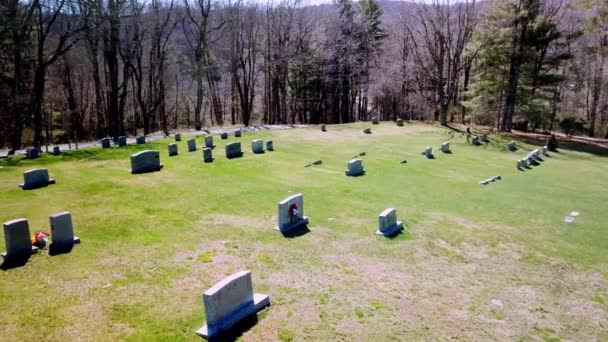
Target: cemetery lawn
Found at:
476, 263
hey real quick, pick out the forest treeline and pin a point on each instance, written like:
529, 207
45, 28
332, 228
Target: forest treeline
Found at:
86, 69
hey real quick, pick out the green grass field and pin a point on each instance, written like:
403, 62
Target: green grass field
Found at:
476, 263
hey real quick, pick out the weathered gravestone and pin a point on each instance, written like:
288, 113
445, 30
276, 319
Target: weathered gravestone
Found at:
375, 120
62, 233
544, 150
237, 133
56, 151
228, 303
519, 165
476, 141
191, 145
524, 163
291, 213
388, 224
32, 153
257, 146
140, 140
355, 168
224, 136
269, 145
105, 143
400, 122
178, 137
145, 161
172, 149
36, 178
122, 141
18, 244
323, 128
511, 146
367, 131
233, 150
445, 147
207, 155
428, 152
209, 141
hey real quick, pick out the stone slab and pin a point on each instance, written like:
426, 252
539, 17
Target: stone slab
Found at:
36, 178
145, 161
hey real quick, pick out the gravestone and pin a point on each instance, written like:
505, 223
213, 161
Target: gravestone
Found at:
172, 149
18, 244
367, 131
519, 166
191, 145
62, 233
445, 147
122, 141
269, 145
36, 178
224, 136
140, 140
145, 161
524, 163
428, 152
476, 141
178, 137
323, 128
237, 133
511, 146
209, 141
291, 213
375, 120
56, 151
233, 150
257, 146
355, 168
228, 303
207, 155
32, 153
387, 223
105, 143
400, 122
544, 150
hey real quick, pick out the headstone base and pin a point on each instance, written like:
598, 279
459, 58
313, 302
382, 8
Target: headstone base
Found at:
36, 186
236, 155
354, 174
260, 301
147, 170
392, 230
300, 223
55, 249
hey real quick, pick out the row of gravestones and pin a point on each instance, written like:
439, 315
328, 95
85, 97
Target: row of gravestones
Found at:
232, 301
19, 247
533, 158
375, 121
121, 141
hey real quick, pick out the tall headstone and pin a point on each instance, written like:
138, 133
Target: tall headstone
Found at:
62, 233
145, 161
375, 120
209, 141
428, 152
207, 155
18, 244
269, 145
323, 128
445, 147
105, 143
56, 150
172, 147
229, 302
511, 146
140, 140
257, 146
233, 150
291, 213
355, 168
178, 137
388, 224
237, 133
36, 178
122, 141
191, 145
399, 122
224, 136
